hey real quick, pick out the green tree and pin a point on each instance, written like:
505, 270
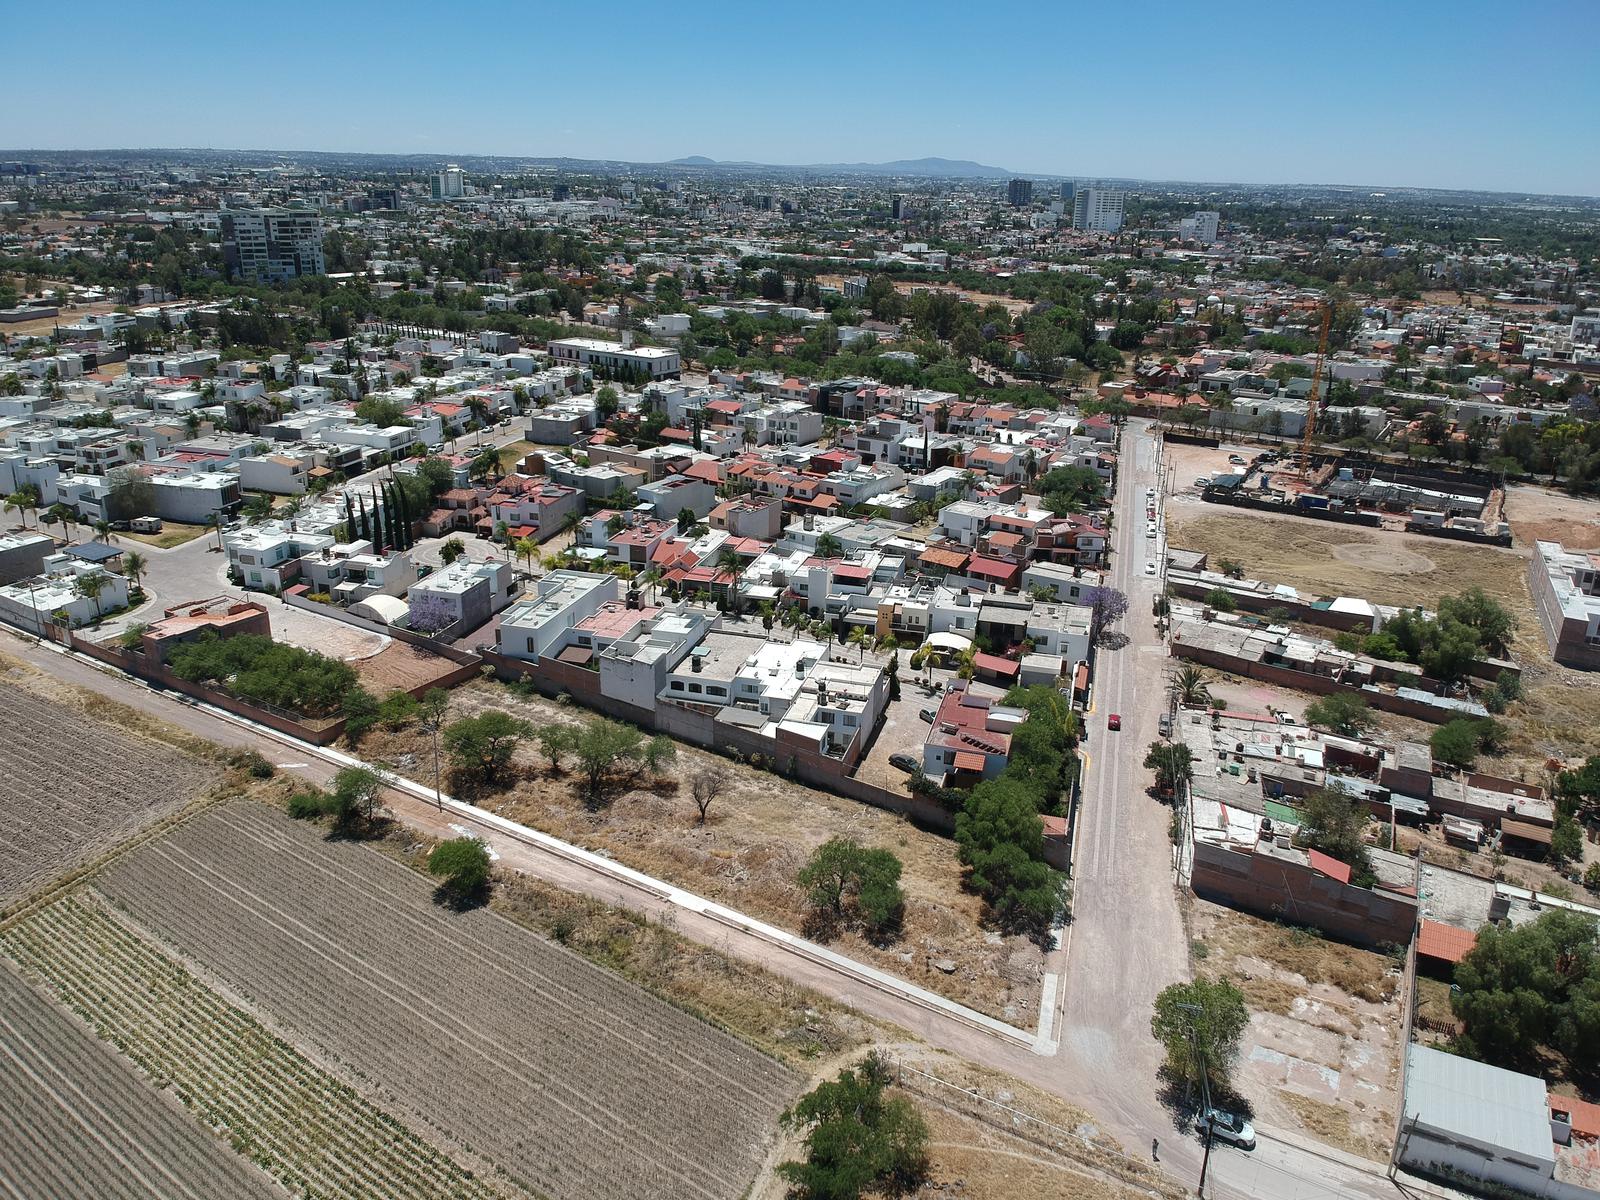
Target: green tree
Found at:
848, 883
451, 550
829, 546
601, 747
1456, 742
91, 585
482, 746
353, 802
1070, 489
1342, 713
1200, 1025
24, 500
1523, 987
1001, 844
1332, 821
463, 865
857, 1138
398, 709
1173, 764
1488, 619
1566, 842
360, 711
1190, 686
134, 565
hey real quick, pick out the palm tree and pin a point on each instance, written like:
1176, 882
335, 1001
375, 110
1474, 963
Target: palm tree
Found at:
1190, 686
25, 499
859, 637
526, 548
134, 565
652, 579
728, 562
487, 462
90, 585
64, 515
102, 531
829, 546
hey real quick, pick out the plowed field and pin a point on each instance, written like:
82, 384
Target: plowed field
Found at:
72, 786
573, 1082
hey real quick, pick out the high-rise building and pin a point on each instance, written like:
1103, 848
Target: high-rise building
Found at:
1020, 192
1200, 227
269, 245
450, 183
1098, 210
1067, 187
899, 207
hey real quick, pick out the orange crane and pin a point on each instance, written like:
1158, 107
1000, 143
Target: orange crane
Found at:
1316, 385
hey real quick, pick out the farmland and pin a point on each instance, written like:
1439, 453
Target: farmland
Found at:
72, 785
78, 1120
599, 1090
296, 1121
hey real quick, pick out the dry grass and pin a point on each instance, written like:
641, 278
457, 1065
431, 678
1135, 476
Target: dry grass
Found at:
1330, 1123
1543, 514
758, 836
1229, 936
173, 533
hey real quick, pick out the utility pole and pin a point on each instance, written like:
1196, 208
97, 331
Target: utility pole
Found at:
1205, 1092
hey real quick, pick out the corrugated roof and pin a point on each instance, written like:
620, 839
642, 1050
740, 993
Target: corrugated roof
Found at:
1477, 1102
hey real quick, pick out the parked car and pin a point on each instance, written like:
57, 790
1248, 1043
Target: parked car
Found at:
1149, 566
929, 714
1202, 481
1165, 725
1229, 1127
1236, 460
905, 763
1114, 722
1150, 532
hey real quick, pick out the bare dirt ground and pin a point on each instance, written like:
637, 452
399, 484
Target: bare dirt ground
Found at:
758, 835
173, 533
1544, 514
401, 665
1559, 714
74, 785
1322, 1052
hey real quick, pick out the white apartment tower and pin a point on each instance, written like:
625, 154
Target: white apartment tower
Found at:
450, 183
270, 245
1098, 210
1200, 227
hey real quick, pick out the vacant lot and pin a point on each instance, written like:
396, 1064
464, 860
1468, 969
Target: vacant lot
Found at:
72, 786
79, 1121
759, 834
1559, 714
293, 1119
1322, 1051
173, 533
597, 1089
1544, 514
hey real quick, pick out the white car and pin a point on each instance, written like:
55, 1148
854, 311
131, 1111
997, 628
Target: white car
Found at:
1229, 1127
1151, 532
1150, 491
1150, 567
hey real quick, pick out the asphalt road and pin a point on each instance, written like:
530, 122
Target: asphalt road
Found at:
1126, 941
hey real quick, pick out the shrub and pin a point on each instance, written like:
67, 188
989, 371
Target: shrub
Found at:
463, 865
397, 710
256, 668
308, 805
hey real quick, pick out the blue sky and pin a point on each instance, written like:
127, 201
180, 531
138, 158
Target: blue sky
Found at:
1409, 92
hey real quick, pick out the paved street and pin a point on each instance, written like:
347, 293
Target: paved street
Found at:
1126, 941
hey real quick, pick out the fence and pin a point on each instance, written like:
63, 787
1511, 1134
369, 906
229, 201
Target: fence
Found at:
803, 763
410, 637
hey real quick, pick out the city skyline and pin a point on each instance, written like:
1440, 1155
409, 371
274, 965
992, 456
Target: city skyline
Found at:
1156, 95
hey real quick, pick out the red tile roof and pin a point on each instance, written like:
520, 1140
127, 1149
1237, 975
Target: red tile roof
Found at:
1444, 942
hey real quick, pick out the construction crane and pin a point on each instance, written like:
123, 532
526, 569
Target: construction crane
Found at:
1316, 385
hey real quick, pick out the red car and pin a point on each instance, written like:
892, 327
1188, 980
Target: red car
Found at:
1114, 721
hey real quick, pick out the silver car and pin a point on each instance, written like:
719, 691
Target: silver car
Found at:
1228, 1127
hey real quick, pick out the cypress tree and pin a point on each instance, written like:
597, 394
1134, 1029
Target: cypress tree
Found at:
349, 516
366, 521
403, 516
377, 523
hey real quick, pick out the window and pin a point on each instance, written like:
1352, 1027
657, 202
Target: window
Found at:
677, 685
695, 688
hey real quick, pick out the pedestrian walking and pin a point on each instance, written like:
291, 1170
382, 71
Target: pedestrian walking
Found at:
1155, 1149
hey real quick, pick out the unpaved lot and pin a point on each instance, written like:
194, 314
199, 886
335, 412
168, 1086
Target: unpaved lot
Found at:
1544, 514
1559, 714
759, 834
1322, 1053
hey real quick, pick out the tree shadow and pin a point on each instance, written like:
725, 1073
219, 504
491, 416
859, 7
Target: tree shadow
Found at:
447, 896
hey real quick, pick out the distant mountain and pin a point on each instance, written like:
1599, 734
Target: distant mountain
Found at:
932, 168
